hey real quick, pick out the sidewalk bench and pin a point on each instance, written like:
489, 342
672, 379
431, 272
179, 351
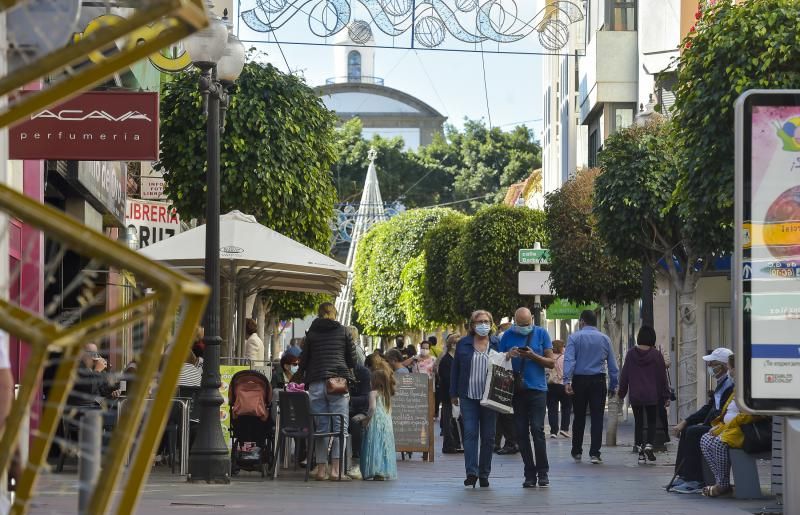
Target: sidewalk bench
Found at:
744, 467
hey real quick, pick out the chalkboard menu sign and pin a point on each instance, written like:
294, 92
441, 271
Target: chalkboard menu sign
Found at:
412, 414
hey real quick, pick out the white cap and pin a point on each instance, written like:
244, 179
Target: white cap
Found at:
720, 354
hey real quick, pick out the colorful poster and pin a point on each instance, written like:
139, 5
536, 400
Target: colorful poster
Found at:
771, 252
226, 373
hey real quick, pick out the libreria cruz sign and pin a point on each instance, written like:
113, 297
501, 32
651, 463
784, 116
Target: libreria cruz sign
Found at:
94, 126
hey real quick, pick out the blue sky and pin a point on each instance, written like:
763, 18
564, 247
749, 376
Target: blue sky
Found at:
451, 82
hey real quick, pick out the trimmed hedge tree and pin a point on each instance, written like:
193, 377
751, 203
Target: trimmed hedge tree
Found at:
442, 296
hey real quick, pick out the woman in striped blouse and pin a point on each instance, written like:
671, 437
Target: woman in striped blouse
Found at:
467, 382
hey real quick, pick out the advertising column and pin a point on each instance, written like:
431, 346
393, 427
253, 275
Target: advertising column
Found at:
767, 267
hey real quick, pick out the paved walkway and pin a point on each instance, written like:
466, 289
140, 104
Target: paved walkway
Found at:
619, 486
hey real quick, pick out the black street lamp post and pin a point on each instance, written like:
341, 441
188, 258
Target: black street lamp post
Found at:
220, 58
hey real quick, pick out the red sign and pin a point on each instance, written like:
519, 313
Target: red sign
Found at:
94, 126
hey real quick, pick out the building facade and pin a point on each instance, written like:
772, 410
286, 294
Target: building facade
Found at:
355, 92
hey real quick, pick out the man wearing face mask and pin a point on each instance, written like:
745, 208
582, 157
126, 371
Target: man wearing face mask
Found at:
689, 461
531, 350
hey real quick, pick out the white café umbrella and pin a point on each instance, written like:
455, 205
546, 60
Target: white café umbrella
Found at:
253, 258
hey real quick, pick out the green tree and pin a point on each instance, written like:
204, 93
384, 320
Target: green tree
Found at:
484, 162
637, 219
735, 47
411, 296
403, 174
276, 154
489, 250
581, 267
382, 255
443, 295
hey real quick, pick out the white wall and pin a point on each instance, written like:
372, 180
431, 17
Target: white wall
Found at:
709, 290
659, 40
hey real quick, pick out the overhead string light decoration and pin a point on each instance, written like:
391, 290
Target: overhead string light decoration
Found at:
426, 24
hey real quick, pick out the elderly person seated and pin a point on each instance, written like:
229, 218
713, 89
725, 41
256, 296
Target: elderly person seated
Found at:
688, 462
725, 434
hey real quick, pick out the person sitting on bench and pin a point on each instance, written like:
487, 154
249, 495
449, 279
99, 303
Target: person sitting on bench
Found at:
725, 434
689, 460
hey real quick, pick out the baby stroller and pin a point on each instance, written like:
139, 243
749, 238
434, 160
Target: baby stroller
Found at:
252, 431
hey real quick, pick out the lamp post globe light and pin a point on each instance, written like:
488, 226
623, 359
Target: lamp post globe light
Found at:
220, 58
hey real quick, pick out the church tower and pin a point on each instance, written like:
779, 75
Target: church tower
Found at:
354, 54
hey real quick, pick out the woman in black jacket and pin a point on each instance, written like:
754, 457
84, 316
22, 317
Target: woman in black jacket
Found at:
329, 354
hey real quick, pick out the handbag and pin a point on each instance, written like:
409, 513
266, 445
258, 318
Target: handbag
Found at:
519, 381
672, 396
757, 436
336, 386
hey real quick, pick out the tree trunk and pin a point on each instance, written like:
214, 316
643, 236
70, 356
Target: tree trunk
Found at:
614, 329
687, 348
273, 338
647, 294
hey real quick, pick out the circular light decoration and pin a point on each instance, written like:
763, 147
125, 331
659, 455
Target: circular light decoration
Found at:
466, 6
271, 6
397, 7
359, 32
554, 35
429, 31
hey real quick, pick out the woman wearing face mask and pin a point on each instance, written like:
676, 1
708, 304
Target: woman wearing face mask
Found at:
288, 368
425, 362
467, 382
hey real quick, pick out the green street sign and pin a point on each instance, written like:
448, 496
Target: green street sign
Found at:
534, 256
562, 309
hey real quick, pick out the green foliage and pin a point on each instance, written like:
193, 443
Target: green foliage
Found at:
276, 154
477, 162
484, 162
752, 44
382, 255
443, 293
403, 175
489, 252
632, 195
411, 296
581, 268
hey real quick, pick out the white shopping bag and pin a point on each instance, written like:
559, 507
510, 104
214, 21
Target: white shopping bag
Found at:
499, 390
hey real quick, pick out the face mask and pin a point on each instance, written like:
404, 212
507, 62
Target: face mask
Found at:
716, 370
293, 369
483, 329
524, 330
424, 352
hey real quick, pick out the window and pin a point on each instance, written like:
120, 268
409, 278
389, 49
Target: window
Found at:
354, 67
718, 325
621, 15
594, 145
623, 118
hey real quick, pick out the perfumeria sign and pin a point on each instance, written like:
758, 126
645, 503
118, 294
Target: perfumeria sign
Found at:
94, 126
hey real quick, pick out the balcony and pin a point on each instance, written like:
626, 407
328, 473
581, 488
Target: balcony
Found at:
609, 72
360, 80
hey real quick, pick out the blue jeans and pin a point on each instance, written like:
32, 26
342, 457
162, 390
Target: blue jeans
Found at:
529, 409
478, 421
322, 402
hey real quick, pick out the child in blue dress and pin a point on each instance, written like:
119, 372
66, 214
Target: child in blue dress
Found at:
378, 457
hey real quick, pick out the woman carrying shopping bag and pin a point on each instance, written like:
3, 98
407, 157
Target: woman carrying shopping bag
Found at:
467, 384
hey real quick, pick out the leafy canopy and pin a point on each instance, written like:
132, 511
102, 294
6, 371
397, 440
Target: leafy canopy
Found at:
581, 268
381, 258
489, 251
633, 194
275, 159
443, 293
736, 47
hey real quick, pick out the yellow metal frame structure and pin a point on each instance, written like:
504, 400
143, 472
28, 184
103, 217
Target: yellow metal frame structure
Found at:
173, 291
176, 18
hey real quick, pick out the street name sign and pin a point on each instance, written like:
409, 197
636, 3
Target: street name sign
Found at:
767, 251
534, 256
534, 283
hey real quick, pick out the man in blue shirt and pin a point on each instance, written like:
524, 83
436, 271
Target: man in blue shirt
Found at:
531, 351
585, 358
